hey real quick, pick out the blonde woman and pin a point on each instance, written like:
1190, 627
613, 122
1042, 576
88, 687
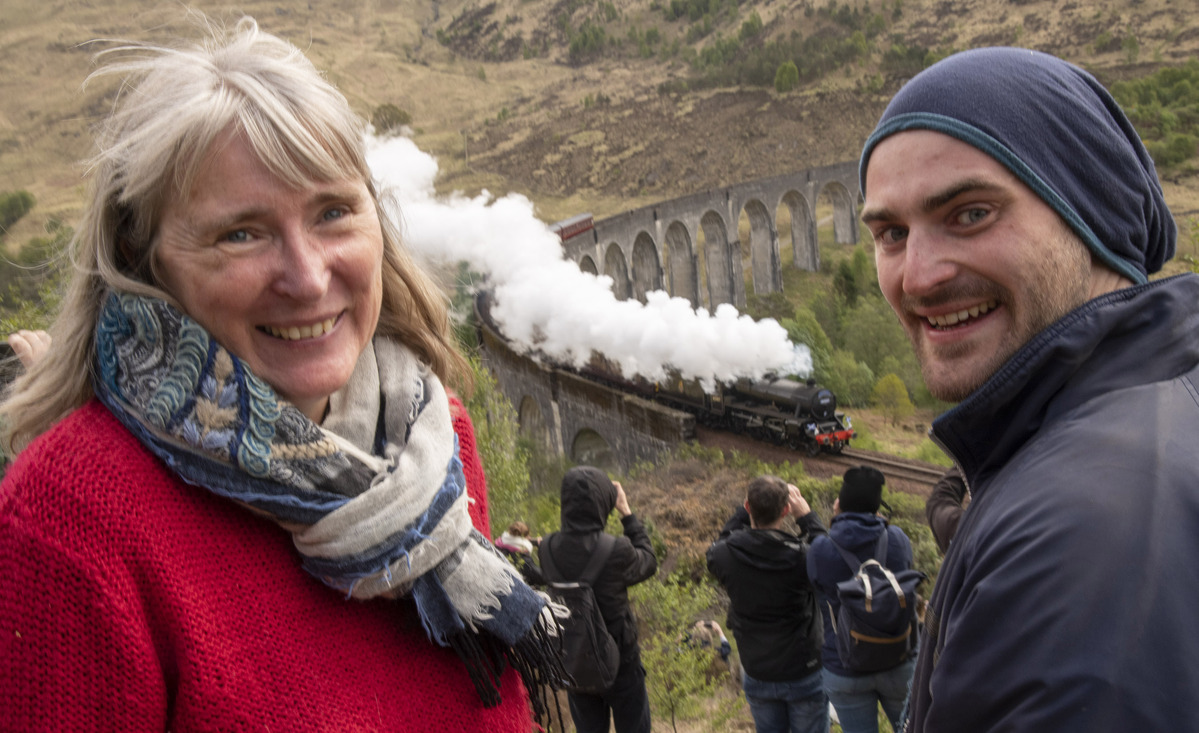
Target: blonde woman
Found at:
245, 494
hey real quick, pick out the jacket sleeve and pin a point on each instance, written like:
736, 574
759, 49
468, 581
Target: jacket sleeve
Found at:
739, 520
813, 564
944, 507
810, 527
906, 560
644, 564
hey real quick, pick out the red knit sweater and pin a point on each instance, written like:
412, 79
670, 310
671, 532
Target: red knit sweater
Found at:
131, 601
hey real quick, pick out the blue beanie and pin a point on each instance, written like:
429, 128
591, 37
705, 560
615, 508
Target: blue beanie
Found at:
1056, 129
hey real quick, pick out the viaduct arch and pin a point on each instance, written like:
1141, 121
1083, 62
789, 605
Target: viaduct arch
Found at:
658, 247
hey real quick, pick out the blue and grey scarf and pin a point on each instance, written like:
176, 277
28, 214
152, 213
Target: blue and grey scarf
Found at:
375, 497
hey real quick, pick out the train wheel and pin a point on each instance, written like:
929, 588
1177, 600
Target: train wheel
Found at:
837, 448
793, 443
813, 448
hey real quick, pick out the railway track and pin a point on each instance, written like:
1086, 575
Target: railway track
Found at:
903, 474
892, 466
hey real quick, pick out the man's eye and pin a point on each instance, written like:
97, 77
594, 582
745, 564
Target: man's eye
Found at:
891, 235
972, 215
238, 236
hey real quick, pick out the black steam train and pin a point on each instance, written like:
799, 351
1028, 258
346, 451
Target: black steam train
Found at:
794, 414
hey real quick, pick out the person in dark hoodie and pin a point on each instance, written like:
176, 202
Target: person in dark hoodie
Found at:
588, 497
857, 527
773, 613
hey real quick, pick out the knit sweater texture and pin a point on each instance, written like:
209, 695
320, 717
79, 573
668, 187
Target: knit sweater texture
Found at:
132, 601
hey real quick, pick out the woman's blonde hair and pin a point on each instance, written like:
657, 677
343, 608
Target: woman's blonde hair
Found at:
174, 104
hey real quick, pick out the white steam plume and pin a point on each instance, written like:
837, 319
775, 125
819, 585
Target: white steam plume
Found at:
546, 302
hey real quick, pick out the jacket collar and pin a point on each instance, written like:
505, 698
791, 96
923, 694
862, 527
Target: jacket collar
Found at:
1134, 336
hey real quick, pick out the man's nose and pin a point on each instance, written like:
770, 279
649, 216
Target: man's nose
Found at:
928, 263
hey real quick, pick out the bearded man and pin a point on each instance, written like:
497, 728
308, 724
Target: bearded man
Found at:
1016, 216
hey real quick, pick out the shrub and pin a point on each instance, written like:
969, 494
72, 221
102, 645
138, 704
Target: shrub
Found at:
751, 27
388, 118
13, 206
786, 77
1164, 108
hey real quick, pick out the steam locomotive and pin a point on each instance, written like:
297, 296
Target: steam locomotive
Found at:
794, 414
799, 415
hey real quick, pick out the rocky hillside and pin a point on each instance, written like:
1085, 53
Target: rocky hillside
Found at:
598, 105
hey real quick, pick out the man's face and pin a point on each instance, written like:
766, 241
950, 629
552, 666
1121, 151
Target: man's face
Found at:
970, 259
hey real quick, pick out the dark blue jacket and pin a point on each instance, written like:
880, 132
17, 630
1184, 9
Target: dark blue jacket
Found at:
1069, 598
858, 533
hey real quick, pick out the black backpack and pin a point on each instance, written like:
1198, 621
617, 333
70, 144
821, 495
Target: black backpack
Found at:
876, 625
589, 653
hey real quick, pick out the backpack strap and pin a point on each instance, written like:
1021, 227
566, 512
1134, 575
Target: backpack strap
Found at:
880, 553
599, 556
595, 565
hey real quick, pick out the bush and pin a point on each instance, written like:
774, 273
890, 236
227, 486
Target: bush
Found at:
13, 206
786, 77
388, 118
589, 41
751, 27
1164, 108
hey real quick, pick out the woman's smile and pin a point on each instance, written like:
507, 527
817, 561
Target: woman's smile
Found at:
289, 280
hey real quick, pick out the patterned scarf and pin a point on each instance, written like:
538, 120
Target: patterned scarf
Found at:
375, 498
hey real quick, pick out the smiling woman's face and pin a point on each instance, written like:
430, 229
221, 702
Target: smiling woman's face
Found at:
289, 280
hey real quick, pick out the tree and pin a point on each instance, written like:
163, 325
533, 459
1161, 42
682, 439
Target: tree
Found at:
891, 397
805, 329
786, 77
851, 380
872, 333
676, 672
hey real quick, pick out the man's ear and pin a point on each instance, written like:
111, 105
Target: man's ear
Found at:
751, 514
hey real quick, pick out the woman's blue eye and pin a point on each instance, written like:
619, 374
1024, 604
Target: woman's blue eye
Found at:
334, 214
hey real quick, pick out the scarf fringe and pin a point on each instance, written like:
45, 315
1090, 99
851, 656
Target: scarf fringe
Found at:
537, 657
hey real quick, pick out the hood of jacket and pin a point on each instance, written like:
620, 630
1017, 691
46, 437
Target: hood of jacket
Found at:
767, 549
856, 530
588, 497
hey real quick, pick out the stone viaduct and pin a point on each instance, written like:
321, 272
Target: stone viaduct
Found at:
689, 246
676, 246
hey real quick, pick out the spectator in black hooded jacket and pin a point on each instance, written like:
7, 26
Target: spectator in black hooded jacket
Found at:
588, 497
773, 612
